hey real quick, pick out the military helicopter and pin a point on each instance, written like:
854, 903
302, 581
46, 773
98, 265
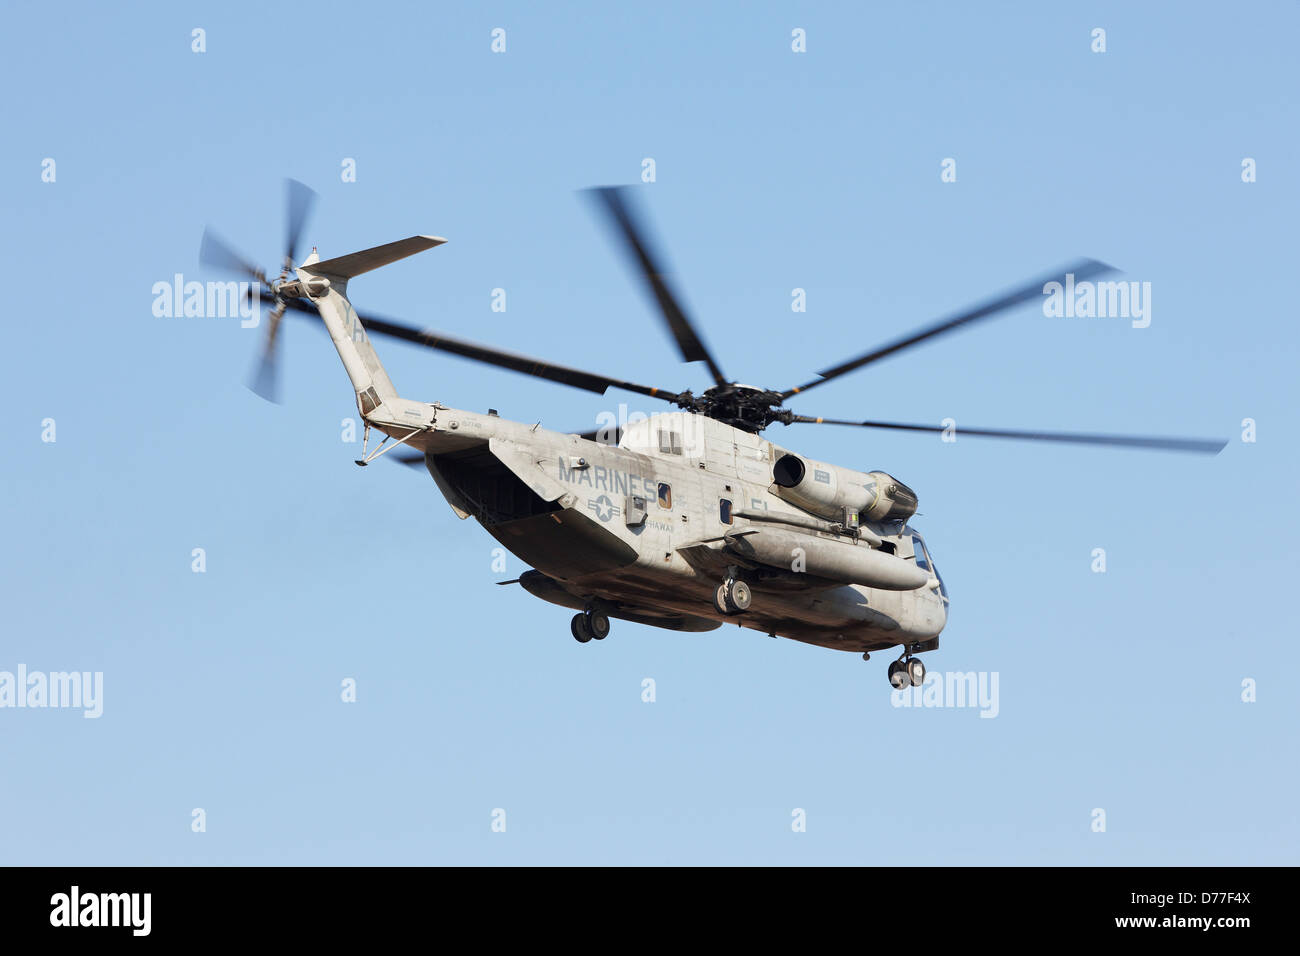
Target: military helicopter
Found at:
692, 518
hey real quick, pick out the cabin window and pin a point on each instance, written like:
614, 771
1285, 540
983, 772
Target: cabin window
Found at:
922, 560
670, 442
665, 495
724, 511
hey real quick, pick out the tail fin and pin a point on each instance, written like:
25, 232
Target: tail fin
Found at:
345, 267
371, 382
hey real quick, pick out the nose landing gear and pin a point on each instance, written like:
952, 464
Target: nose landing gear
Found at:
907, 670
590, 624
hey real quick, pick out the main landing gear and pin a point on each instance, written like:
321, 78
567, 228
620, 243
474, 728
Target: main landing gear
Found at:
589, 624
907, 670
732, 597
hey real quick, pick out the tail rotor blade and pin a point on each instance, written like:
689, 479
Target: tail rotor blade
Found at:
265, 380
216, 253
301, 199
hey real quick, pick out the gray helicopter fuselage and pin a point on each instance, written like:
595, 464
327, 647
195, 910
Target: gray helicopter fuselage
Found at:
640, 529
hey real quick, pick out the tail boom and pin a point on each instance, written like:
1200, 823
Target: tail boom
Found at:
377, 398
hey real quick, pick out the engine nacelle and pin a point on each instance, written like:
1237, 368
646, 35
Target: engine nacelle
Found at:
839, 494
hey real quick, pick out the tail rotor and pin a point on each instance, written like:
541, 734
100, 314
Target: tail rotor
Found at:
216, 253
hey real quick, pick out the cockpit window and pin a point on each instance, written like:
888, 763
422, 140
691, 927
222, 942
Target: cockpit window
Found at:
922, 559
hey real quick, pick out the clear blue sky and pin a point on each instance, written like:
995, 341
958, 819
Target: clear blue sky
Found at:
774, 171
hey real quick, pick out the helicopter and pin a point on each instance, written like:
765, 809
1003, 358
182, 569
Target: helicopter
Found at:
684, 520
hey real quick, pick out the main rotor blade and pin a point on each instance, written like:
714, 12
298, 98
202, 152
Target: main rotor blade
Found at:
525, 364
1203, 446
300, 202
1081, 270
216, 253
605, 436
637, 235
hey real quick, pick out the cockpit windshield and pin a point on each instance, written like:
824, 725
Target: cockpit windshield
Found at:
926, 563
922, 557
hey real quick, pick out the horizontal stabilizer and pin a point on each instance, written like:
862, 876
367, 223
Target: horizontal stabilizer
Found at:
345, 267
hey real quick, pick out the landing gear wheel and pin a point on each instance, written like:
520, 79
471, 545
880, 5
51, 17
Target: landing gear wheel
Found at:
581, 631
732, 597
915, 671
720, 599
898, 676
739, 594
598, 625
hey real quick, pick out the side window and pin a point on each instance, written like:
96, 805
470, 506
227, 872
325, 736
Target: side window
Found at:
922, 559
665, 495
724, 511
670, 442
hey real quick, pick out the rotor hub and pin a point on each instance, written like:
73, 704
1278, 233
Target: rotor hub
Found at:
745, 407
